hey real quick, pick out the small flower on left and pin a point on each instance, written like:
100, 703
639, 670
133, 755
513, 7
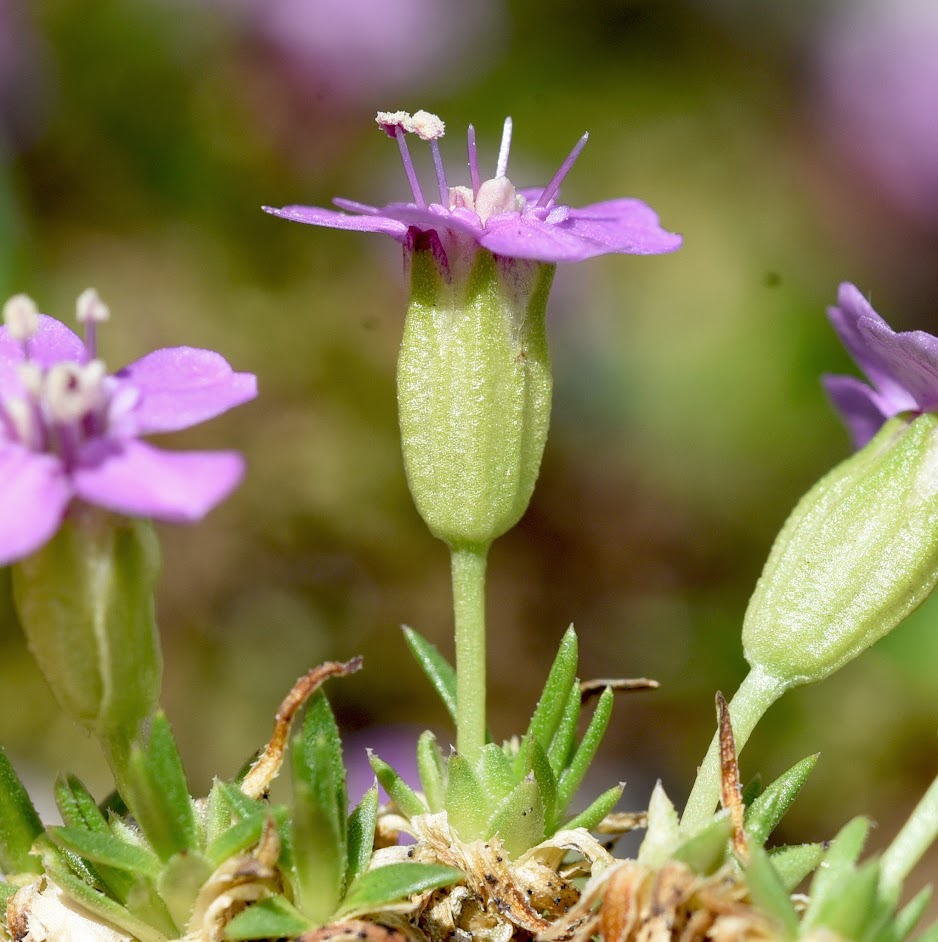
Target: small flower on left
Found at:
69, 430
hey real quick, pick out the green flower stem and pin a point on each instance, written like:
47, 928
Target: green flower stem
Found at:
468, 569
908, 846
755, 695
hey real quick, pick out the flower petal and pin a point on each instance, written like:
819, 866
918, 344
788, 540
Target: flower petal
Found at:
134, 478
525, 236
858, 404
317, 216
912, 357
182, 386
435, 217
33, 498
52, 343
622, 225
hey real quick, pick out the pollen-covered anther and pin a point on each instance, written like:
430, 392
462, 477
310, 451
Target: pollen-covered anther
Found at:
427, 126
90, 308
21, 317
73, 390
390, 121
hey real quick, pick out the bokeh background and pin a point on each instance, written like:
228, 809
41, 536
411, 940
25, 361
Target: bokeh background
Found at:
794, 145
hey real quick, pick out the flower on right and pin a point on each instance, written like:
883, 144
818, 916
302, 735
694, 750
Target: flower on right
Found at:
902, 368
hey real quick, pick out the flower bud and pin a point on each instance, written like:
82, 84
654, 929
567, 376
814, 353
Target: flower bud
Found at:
474, 388
85, 601
857, 555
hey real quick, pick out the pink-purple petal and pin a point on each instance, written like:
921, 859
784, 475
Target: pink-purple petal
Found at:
526, 236
622, 225
52, 343
912, 358
182, 386
33, 498
435, 217
333, 219
134, 478
858, 404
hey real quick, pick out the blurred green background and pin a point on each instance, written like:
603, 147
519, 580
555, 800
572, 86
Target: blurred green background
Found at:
787, 142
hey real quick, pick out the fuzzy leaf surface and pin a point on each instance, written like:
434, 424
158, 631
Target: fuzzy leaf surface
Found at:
765, 812
438, 670
579, 765
361, 834
19, 823
270, 918
379, 887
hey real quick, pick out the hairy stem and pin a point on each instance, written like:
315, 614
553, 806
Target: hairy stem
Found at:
468, 569
755, 695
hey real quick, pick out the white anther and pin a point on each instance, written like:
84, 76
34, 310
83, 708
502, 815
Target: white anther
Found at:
90, 309
427, 126
72, 390
390, 121
30, 375
21, 317
498, 196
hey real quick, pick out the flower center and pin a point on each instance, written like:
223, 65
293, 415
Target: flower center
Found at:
63, 405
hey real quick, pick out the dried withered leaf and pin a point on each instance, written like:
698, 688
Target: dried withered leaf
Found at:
731, 792
353, 930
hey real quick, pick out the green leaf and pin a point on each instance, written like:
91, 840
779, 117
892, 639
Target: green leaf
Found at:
769, 893
839, 860
597, 810
439, 671
158, 794
561, 745
361, 834
579, 765
707, 850
380, 887
407, 800
430, 768
6, 891
663, 833
270, 918
752, 790
550, 708
496, 774
793, 863
19, 823
907, 918
546, 785
107, 849
95, 901
765, 812
238, 838
850, 905
179, 884
320, 838
519, 822
466, 802
219, 812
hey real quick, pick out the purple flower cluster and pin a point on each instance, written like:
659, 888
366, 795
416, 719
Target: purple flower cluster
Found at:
493, 214
69, 430
902, 368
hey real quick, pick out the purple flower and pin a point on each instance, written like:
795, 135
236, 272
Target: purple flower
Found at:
902, 368
69, 430
522, 224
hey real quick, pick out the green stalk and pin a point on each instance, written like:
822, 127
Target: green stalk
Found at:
756, 694
468, 569
908, 846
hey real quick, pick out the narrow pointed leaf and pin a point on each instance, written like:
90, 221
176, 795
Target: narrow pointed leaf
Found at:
179, 884
238, 838
158, 794
361, 834
409, 803
496, 774
590, 816
319, 813
908, 917
381, 886
765, 812
769, 893
850, 905
752, 790
19, 823
466, 802
218, 813
793, 863
839, 859
439, 671
561, 746
519, 822
579, 765
106, 849
550, 707
546, 785
270, 918
663, 833
708, 849
77, 806
430, 769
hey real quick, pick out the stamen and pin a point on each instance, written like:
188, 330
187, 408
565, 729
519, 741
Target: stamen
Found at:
427, 126
90, 310
501, 168
409, 167
390, 121
473, 160
554, 184
440, 173
21, 317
